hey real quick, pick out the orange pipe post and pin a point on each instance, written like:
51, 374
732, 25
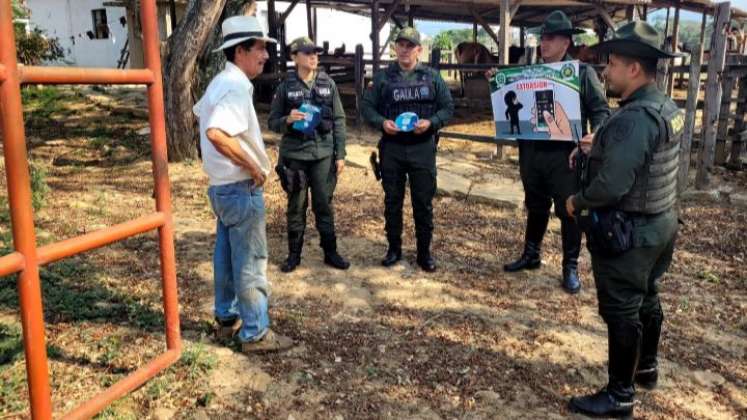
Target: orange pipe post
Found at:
2, 73
11, 263
22, 220
161, 172
91, 407
59, 250
83, 76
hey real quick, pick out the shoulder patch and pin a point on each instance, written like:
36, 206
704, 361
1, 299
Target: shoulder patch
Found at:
678, 123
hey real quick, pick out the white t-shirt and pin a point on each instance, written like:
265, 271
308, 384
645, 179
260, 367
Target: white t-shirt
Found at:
227, 105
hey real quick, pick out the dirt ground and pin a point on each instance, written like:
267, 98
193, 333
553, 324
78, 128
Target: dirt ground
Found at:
466, 342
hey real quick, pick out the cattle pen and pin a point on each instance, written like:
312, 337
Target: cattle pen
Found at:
721, 101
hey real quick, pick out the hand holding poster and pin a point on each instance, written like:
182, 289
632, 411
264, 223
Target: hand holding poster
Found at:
540, 102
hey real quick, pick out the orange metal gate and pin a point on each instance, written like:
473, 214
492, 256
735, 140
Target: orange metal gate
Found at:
28, 257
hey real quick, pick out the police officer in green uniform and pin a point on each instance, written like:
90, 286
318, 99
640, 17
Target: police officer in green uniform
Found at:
627, 207
309, 159
408, 86
544, 168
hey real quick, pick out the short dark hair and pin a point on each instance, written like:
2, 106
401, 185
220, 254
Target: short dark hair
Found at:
649, 65
230, 52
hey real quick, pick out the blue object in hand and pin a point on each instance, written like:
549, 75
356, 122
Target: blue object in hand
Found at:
311, 121
406, 121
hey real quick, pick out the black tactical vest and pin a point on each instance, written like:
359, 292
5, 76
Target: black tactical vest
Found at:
401, 95
655, 187
319, 95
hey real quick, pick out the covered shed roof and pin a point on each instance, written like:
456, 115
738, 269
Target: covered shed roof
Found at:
525, 13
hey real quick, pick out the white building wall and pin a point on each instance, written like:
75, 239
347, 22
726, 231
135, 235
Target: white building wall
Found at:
69, 20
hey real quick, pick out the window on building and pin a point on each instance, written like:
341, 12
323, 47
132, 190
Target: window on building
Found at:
100, 26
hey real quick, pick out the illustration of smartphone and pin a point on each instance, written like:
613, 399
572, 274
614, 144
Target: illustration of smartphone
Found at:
544, 101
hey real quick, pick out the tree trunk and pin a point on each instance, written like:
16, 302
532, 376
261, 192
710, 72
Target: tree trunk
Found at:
184, 47
191, 64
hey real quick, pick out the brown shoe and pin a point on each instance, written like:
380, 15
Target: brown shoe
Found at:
271, 342
225, 330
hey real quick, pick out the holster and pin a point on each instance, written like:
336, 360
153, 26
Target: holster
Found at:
291, 180
609, 232
375, 166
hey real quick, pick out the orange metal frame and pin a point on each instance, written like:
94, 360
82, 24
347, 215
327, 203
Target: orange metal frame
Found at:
27, 257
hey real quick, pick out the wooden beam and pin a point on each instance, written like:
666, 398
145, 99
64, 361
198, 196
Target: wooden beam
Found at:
675, 41
309, 23
505, 32
713, 94
691, 108
737, 141
605, 16
630, 13
728, 85
485, 26
515, 8
388, 13
375, 35
287, 12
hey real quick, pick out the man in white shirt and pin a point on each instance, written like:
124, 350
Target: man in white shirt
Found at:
235, 159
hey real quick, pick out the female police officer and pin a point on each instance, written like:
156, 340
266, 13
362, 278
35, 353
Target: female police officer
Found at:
310, 158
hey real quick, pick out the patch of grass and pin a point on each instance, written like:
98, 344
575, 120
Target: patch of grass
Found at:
197, 361
109, 348
11, 344
42, 101
12, 383
709, 277
157, 388
121, 409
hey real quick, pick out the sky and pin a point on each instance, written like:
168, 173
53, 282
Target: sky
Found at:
433, 28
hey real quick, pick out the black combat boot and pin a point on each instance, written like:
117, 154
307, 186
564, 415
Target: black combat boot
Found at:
647, 374
425, 260
616, 400
394, 252
295, 245
331, 257
571, 239
535, 231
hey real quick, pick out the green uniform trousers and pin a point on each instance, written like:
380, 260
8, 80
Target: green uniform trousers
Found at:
320, 177
416, 162
628, 284
545, 175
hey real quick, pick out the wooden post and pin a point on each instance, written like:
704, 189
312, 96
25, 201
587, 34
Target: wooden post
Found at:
728, 85
411, 16
666, 26
740, 126
375, 35
713, 94
309, 22
474, 32
436, 58
675, 41
315, 25
505, 32
630, 13
691, 108
272, 31
505, 41
360, 79
522, 37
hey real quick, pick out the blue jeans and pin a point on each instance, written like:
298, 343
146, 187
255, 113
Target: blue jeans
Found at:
240, 258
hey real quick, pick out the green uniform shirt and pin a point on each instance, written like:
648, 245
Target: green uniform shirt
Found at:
293, 146
374, 95
620, 151
594, 106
